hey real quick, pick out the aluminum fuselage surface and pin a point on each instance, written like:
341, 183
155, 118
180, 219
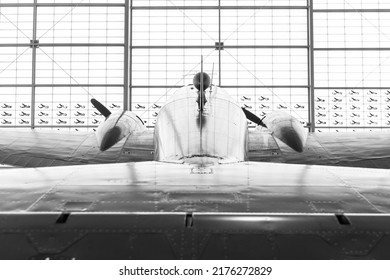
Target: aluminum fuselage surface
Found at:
184, 133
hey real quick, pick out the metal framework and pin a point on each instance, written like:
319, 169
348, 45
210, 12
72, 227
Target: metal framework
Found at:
223, 48
134, 95
35, 43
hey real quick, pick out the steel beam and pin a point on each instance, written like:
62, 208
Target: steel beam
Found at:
126, 58
65, 45
311, 80
35, 4
225, 47
34, 65
352, 49
354, 87
130, 50
225, 86
62, 85
217, 7
219, 49
352, 10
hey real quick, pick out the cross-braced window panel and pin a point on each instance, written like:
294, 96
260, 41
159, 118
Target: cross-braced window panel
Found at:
174, 3
352, 30
264, 67
263, 3
15, 65
351, 4
171, 67
175, 27
264, 27
76, 2
80, 24
16, 25
79, 65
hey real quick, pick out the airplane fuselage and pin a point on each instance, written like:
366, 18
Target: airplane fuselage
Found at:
217, 133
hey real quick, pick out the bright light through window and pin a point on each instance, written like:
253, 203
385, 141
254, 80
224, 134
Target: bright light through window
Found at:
55, 57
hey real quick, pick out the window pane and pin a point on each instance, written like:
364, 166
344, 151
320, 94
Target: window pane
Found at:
80, 25
16, 24
79, 65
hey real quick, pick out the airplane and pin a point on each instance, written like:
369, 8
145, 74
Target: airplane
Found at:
201, 185
243, 98
41, 106
262, 98
61, 114
297, 106
61, 106
337, 92
61, 122
6, 106
372, 108
353, 107
337, 99
23, 114
335, 107
353, 92
320, 107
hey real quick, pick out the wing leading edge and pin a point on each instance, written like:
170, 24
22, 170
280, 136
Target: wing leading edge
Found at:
350, 149
32, 148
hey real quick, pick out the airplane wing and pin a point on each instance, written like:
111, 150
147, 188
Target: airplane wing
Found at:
353, 149
39, 148
154, 210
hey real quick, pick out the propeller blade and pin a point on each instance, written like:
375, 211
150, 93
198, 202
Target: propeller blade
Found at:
100, 107
253, 118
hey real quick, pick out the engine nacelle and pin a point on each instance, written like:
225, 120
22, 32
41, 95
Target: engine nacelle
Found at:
286, 128
117, 126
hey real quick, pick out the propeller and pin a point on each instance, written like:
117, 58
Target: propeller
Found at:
101, 108
116, 126
283, 126
253, 118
